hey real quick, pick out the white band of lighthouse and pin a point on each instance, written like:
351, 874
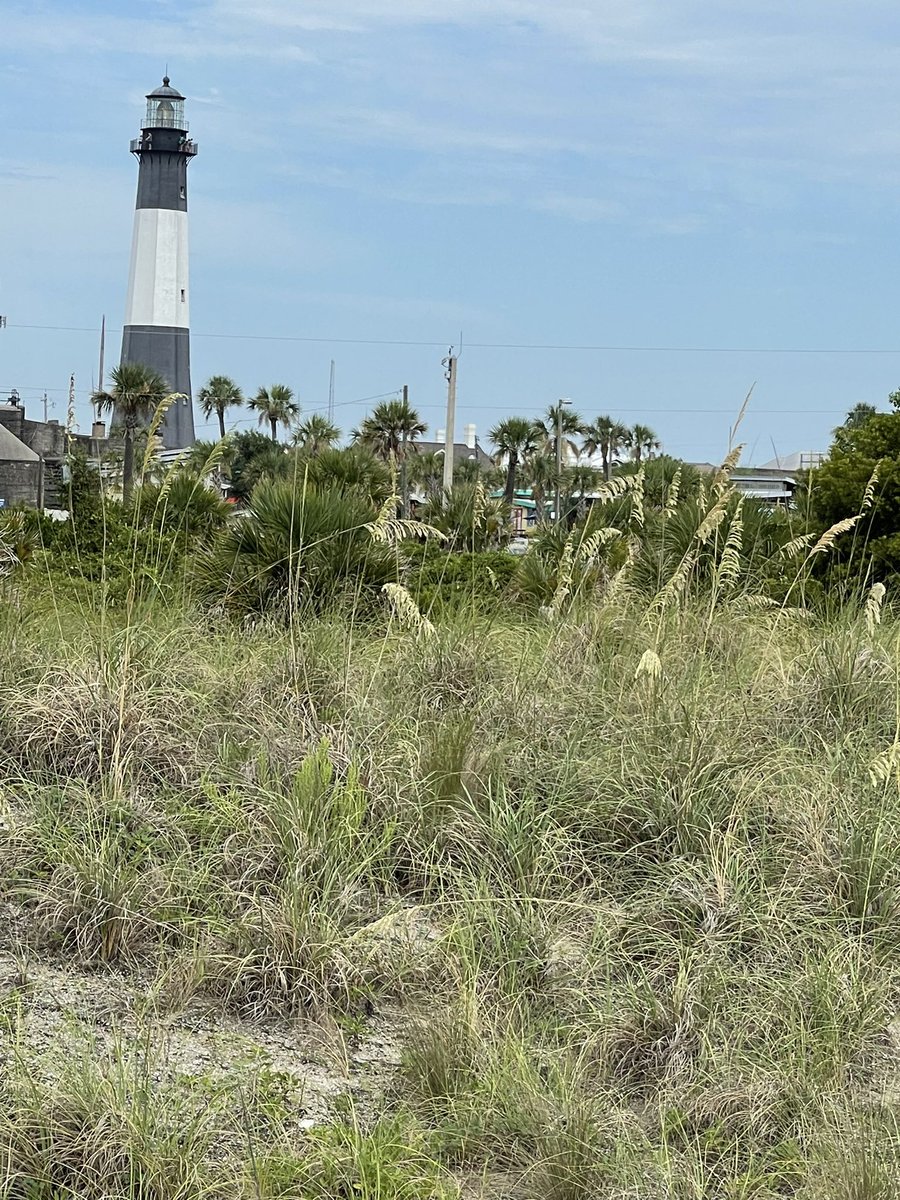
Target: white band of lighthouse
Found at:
157, 313
158, 280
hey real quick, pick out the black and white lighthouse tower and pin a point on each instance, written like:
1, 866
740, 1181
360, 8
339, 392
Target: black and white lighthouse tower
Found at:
157, 324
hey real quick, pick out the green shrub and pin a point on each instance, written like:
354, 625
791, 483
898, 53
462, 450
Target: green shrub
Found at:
445, 581
296, 550
182, 506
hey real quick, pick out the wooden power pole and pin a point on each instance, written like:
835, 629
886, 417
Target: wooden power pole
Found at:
404, 466
450, 428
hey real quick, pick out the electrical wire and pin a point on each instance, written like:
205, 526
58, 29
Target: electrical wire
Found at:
83, 393
520, 408
551, 346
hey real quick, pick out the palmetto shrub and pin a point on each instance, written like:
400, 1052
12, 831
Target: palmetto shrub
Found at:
296, 549
353, 471
182, 505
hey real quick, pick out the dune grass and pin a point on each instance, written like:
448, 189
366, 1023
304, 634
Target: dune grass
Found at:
624, 888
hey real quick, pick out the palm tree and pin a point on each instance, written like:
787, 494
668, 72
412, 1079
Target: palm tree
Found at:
136, 392
541, 476
218, 394
577, 484
197, 457
606, 437
389, 432
467, 470
471, 520
515, 440
581, 479
559, 419
275, 405
858, 415
316, 434
643, 440
426, 470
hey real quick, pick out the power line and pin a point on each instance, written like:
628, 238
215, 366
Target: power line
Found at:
309, 411
519, 408
244, 337
551, 346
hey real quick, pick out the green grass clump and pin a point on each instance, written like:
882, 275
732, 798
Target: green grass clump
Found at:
595, 901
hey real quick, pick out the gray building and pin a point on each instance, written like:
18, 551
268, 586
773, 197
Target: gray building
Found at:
467, 451
33, 456
774, 482
21, 472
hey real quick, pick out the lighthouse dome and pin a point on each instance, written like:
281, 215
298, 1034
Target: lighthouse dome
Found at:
165, 92
165, 108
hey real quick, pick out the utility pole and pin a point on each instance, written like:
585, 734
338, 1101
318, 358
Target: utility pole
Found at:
70, 415
559, 413
450, 428
46, 407
331, 395
404, 472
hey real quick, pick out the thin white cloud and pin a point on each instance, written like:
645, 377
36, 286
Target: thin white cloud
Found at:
431, 132
670, 102
355, 15
577, 208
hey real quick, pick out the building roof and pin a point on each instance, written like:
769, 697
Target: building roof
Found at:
461, 451
788, 466
12, 450
801, 460
762, 475
767, 493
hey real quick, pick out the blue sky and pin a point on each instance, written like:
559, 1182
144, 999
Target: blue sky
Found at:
566, 173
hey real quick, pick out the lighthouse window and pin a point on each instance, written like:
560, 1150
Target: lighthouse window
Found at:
182, 295
181, 191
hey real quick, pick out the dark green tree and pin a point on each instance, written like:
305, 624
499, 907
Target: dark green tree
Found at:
837, 489
541, 476
426, 471
470, 518
858, 415
252, 458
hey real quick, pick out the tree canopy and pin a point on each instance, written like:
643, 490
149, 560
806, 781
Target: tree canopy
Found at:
837, 488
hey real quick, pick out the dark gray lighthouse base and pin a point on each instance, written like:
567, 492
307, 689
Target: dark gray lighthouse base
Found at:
166, 350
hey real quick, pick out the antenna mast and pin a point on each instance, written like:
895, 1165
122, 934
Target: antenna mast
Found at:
102, 348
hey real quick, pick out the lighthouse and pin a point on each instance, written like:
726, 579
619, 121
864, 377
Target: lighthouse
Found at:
157, 323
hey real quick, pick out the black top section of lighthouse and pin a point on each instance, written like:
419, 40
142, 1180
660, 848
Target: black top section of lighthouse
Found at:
157, 325
164, 150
